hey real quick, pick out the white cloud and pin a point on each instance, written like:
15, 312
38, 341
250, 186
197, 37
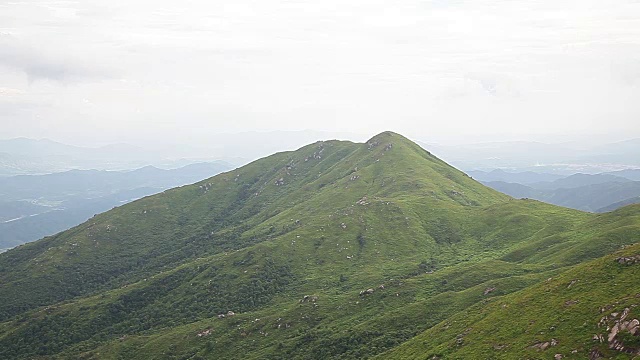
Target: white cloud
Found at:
9, 92
450, 68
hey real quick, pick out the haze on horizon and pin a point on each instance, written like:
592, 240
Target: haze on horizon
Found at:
152, 72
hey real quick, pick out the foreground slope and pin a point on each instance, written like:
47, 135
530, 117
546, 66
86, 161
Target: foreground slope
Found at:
590, 311
336, 250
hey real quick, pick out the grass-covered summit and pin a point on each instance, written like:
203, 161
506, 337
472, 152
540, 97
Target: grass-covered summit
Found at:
336, 250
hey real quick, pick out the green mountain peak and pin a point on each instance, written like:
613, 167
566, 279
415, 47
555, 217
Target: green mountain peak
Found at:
335, 250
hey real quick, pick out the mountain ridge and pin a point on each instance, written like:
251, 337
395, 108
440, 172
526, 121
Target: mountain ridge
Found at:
335, 250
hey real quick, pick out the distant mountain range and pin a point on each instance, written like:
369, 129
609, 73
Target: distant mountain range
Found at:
525, 177
28, 156
100, 182
23, 156
619, 204
587, 192
34, 206
573, 180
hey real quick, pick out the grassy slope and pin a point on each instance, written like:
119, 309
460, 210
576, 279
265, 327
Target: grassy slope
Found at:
506, 327
235, 210
163, 267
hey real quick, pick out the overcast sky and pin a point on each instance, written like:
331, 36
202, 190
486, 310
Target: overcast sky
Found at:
139, 71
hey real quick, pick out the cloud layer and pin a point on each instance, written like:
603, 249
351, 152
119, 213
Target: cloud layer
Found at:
125, 70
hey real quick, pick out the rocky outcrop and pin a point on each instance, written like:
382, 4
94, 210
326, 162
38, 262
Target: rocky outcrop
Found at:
372, 144
622, 332
628, 260
595, 354
544, 345
571, 302
317, 155
489, 290
367, 292
461, 336
228, 314
309, 298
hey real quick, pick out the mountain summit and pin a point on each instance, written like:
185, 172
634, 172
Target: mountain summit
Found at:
335, 250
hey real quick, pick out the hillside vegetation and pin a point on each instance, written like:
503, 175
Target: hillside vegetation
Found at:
337, 250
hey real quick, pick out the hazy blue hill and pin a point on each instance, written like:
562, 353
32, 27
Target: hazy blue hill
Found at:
336, 250
617, 205
39, 205
102, 182
24, 156
10, 210
47, 221
579, 180
525, 177
631, 174
32, 147
596, 197
518, 191
12, 164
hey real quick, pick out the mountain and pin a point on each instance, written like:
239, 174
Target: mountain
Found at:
619, 204
11, 164
23, 156
35, 206
518, 191
631, 174
11, 210
99, 182
49, 220
336, 250
579, 180
28, 156
33, 148
525, 177
594, 197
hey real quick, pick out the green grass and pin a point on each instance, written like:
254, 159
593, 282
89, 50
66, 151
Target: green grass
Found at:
330, 220
507, 326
